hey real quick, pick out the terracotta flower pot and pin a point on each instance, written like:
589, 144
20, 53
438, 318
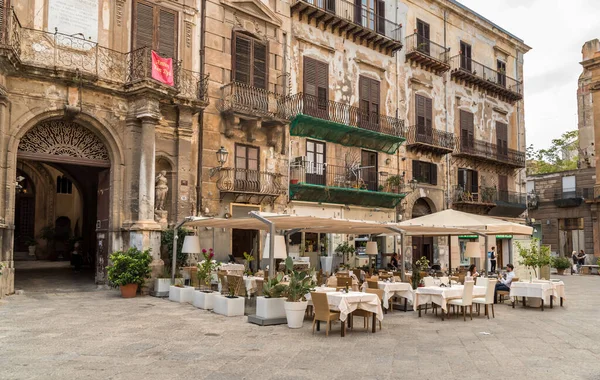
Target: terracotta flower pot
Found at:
294, 181
129, 290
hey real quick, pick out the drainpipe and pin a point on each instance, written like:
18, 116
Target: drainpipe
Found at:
271, 225
200, 114
446, 120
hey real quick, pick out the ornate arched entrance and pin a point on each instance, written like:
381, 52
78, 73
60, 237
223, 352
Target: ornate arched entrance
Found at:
77, 163
422, 245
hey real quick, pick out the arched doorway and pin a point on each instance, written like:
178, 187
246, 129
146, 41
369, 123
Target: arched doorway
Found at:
69, 168
422, 245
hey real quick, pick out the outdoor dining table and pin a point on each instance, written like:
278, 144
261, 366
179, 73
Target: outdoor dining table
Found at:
390, 289
440, 295
541, 290
558, 290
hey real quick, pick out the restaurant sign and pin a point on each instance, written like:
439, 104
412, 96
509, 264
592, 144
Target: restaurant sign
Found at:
468, 236
162, 69
504, 236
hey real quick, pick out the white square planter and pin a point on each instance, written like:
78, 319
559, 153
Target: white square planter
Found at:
228, 307
203, 300
270, 308
162, 285
182, 295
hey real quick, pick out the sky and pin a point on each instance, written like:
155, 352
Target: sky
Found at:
556, 31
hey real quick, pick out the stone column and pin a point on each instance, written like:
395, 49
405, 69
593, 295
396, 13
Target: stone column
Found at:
183, 172
147, 171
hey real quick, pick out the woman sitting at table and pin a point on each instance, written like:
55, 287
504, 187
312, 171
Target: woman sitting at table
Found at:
472, 272
395, 265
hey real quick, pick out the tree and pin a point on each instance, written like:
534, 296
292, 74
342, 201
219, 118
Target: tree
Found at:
562, 155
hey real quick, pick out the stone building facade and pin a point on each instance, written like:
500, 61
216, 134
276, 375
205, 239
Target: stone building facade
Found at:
585, 108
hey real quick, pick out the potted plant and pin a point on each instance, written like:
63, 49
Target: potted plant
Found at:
300, 284
271, 305
248, 259
394, 182
560, 263
420, 266
203, 298
344, 250
31, 244
230, 305
534, 257
129, 270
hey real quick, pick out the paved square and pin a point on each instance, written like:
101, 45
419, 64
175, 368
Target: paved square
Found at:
98, 335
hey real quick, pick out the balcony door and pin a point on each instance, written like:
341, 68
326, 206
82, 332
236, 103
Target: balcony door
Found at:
370, 14
316, 169
424, 114
369, 103
502, 140
155, 27
503, 188
316, 88
501, 66
369, 169
423, 37
247, 175
465, 56
467, 131
249, 62
468, 182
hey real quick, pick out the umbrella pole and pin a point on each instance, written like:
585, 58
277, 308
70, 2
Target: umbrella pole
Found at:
485, 255
449, 254
402, 273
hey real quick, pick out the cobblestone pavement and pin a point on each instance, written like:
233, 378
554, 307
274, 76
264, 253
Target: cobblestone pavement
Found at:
98, 335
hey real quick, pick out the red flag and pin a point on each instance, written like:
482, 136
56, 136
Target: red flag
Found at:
162, 69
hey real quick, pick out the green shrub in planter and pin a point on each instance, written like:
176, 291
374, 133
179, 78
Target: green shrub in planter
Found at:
560, 262
129, 267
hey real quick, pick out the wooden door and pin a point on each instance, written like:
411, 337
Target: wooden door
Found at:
423, 44
502, 139
316, 163
369, 103
247, 174
316, 88
369, 171
465, 56
503, 188
102, 224
467, 131
501, 67
424, 112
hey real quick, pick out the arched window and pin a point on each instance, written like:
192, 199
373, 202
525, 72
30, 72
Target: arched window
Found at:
63, 185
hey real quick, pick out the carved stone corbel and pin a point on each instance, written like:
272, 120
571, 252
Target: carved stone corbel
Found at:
250, 127
230, 122
273, 135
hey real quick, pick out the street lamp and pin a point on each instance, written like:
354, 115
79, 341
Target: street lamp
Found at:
222, 155
413, 184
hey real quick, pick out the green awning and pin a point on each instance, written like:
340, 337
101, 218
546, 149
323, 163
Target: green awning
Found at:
342, 195
347, 135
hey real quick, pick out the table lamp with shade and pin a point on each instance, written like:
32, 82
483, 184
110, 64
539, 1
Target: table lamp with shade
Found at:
191, 245
371, 250
473, 250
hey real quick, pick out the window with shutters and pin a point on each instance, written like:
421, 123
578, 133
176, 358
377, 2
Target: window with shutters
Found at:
425, 172
503, 188
249, 61
369, 102
369, 170
467, 131
501, 66
246, 168
465, 56
316, 88
155, 27
370, 14
423, 37
424, 112
468, 182
502, 139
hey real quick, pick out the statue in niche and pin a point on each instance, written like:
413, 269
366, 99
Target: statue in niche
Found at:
160, 195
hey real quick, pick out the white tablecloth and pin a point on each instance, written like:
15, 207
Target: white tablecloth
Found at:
390, 289
320, 289
346, 303
252, 284
541, 290
558, 288
439, 295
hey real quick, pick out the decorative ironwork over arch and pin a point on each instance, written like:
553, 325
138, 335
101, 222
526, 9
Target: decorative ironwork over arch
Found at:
63, 141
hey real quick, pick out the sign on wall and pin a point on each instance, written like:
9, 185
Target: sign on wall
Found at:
162, 69
74, 16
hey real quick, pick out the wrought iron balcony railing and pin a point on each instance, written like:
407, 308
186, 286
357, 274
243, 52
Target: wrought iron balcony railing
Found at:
341, 113
353, 19
62, 54
234, 180
427, 53
419, 137
241, 98
511, 198
490, 196
490, 152
471, 71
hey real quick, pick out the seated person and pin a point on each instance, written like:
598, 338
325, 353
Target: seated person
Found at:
504, 283
472, 272
394, 263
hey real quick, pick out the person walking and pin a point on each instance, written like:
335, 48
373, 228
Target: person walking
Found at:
580, 260
575, 267
493, 258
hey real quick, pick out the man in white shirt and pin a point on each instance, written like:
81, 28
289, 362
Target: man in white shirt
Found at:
504, 283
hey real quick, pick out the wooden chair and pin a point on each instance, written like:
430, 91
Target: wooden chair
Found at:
488, 299
379, 293
372, 284
343, 283
466, 300
502, 293
322, 311
237, 282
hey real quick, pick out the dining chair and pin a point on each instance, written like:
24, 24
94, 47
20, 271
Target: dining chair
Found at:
237, 282
502, 293
428, 281
344, 282
466, 300
488, 299
481, 281
372, 284
379, 293
322, 311
222, 275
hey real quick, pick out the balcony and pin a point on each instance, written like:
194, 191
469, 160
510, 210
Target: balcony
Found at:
245, 184
491, 153
341, 185
422, 139
342, 123
351, 21
572, 197
249, 102
464, 69
490, 201
58, 56
427, 54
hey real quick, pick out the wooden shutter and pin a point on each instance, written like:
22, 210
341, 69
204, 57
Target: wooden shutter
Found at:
369, 91
420, 112
416, 169
259, 67
381, 17
167, 34
502, 138
467, 129
503, 183
144, 26
423, 29
433, 172
474, 181
358, 12
461, 178
316, 85
428, 117
310, 76
242, 56
240, 157
330, 6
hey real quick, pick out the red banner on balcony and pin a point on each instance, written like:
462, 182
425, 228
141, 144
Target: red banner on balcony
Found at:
162, 69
